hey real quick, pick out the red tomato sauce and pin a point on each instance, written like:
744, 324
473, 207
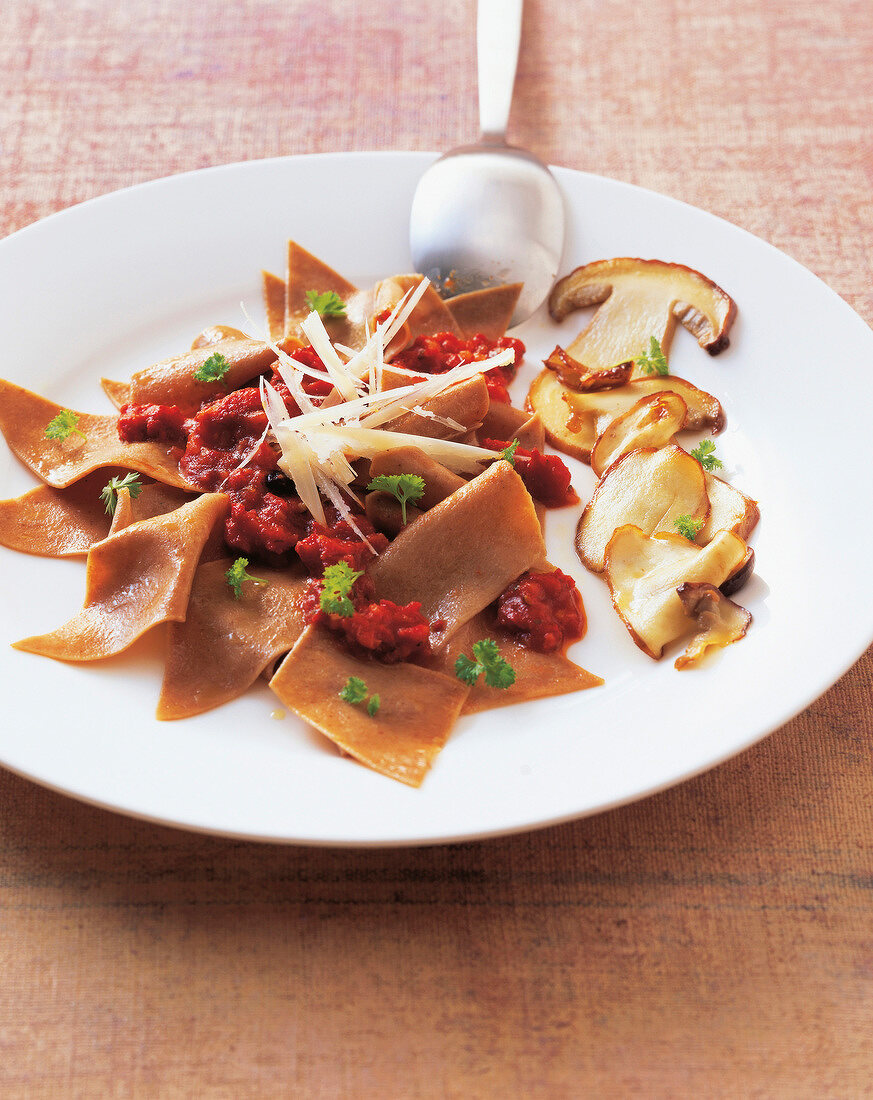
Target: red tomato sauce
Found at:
324, 546
546, 477
543, 609
267, 520
153, 423
443, 351
381, 629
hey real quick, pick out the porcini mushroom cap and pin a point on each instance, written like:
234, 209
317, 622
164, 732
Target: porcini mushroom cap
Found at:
639, 299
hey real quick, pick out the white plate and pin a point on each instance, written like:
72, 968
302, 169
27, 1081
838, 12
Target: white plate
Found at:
116, 283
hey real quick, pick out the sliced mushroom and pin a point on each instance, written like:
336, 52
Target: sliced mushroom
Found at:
640, 299
644, 573
720, 621
573, 421
577, 376
740, 575
649, 488
729, 509
652, 422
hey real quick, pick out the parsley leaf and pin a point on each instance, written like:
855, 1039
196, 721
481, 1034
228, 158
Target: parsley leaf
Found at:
355, 690
213, 369
63, 425
508, 453
688, 527
236, 576
499, 673
328, 304
653, 361
335, 587
109, 492
404, 487
704, 452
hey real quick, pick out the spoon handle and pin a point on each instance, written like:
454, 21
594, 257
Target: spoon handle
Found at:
498, 34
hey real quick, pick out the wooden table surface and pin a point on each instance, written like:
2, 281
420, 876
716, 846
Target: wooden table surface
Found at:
715, 940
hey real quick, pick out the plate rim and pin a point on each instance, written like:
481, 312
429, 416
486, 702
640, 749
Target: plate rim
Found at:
423, 157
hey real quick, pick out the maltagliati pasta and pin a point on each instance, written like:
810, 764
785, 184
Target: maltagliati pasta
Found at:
350, 506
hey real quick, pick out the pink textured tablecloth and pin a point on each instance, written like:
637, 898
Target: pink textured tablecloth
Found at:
715, 940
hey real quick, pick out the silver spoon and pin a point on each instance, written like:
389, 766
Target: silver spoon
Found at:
490, 213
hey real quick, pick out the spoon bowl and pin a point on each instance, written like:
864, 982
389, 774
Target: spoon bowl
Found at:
484, 215
490, 213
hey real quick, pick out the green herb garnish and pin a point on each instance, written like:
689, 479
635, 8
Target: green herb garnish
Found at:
328, 304
355, 692
335, 588
508, 453
213, 369
109, 492
653, 361
237, 576
405, 487
63, 425
498, 672
688, 527
704, 452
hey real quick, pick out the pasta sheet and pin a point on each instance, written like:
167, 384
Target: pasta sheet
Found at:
135, 579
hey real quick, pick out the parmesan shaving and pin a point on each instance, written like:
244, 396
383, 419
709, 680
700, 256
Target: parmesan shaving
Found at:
369, 442
316, 333
402, 310
446, 421
317, 444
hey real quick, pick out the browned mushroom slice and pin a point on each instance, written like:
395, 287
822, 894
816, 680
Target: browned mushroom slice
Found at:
644, 572
24, 417
273, 291
460, 555
740, 575
488, 311
537, 675
417, 706
648, 488
135, 580
720, 621
729, 509
652, 422
573, 421
172, 381
638, 300
225, 642
577, 376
